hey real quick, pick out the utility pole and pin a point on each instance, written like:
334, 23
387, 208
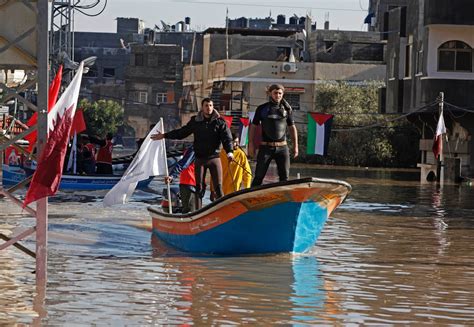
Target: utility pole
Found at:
227, 34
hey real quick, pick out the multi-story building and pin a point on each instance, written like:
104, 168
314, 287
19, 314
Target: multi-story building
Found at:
153, 85
238, 64
430, 51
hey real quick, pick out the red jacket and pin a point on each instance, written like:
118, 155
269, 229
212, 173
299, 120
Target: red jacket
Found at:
104, 155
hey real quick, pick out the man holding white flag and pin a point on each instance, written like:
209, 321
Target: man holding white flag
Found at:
150, 160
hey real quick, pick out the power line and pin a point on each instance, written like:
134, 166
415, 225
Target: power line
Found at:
352, 129
272, 5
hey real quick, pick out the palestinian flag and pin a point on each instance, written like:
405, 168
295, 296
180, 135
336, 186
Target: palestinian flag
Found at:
244, 131
319, 129
228, 120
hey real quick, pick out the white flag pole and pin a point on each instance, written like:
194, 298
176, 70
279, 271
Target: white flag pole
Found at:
170, 204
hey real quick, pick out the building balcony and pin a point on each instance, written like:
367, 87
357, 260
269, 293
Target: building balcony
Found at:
454, 12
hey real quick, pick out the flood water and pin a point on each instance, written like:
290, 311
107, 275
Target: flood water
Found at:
396, 252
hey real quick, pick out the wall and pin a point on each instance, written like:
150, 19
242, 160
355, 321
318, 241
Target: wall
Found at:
437, 35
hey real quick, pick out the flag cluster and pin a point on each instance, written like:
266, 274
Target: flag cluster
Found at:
47, 175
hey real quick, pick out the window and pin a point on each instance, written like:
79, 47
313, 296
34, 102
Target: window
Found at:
408, 51
161, 98
142, 97
92, 72
109, 72
419, 61
139, 59
328, 46
293, 99
455, 56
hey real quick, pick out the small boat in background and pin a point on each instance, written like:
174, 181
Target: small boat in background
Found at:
12, 175
273, 218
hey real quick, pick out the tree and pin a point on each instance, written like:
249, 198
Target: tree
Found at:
383, 144
102, 117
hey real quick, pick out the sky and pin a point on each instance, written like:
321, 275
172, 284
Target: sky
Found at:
343, 14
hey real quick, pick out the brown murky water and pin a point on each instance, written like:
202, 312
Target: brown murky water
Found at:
395, 252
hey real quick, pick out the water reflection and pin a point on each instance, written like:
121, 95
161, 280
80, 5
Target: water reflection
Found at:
395, 252
308, 289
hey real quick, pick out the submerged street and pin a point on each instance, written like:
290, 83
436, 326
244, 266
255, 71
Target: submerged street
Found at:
395, 252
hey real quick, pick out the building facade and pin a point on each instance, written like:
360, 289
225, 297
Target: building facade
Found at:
429, 52
153, 85
239, 64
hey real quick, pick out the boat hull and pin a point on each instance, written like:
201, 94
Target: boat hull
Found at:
282, 217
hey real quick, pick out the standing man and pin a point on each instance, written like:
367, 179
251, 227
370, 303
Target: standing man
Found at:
210, 131
274, 116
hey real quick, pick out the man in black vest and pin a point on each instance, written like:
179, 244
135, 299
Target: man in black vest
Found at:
274, 116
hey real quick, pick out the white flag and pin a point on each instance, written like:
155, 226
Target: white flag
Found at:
150, 160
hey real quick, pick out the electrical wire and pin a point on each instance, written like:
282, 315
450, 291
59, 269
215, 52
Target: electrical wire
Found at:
273, 5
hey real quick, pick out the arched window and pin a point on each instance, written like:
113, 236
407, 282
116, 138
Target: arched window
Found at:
455, 56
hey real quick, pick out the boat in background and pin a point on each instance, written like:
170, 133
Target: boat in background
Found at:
273, 218
12, 175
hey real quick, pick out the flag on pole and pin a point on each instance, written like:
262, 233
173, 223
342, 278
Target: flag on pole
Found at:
244, 131
319, 129
47, 175
52, 97
78, 125
150, 160
438, 139
228, 120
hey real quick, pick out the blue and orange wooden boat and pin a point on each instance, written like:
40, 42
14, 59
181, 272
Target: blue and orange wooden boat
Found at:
272, 218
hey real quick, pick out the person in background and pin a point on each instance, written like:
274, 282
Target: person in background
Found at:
104, 154
86, 156
210, 131
187, 181
274, 116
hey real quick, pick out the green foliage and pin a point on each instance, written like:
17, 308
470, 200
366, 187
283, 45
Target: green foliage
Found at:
390, 145
102, 117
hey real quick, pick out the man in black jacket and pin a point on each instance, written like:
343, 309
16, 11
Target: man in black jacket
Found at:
275, 117
210, 131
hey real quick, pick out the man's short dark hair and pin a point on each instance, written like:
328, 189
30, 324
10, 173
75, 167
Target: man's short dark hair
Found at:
205, 100
276, 87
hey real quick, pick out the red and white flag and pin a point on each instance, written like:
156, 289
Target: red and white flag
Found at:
52, 97
438, 139
48, 173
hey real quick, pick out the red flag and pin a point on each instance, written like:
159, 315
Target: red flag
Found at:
48, 174
52, 97
79, 124
228, 120
438, 139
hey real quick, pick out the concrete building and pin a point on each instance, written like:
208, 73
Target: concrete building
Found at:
430, 50
239, 64
135, 61
153, 85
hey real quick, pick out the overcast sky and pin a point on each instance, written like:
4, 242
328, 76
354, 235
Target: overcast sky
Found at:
343, 14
